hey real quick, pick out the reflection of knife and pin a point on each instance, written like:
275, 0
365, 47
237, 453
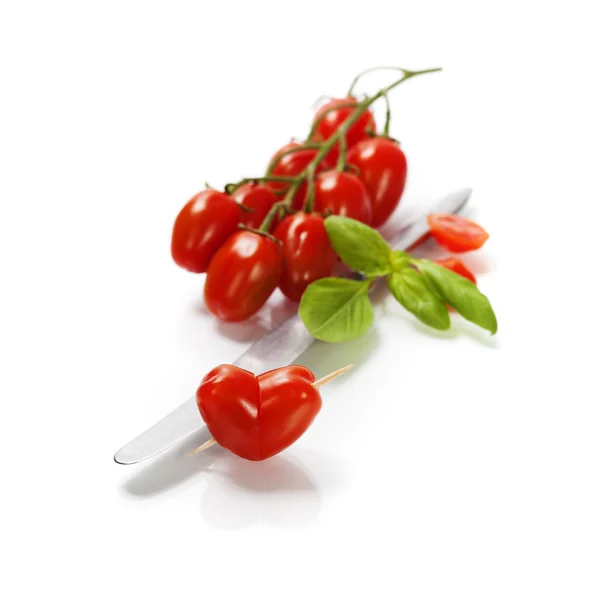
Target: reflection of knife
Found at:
278, 347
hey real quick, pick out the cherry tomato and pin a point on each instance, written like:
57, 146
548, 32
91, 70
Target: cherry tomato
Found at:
288, 405
228, 399
293, 164
343, 194
201, 227
242, 275
307, 253
382, 168
455, 233
455, 264
332, 117
258, 417
259, 198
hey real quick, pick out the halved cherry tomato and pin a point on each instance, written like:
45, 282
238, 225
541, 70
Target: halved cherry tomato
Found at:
307, 252
332, 117
242, 275
382, 168
455, 264
201, 227
455, 233
258, 417
259, 198
293, 164
343, 194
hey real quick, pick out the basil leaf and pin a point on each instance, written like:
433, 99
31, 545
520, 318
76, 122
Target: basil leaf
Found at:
336, 310
359, 246
412, 292
399, 260
459, 293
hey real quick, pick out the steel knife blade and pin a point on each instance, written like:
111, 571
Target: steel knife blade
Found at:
277, 348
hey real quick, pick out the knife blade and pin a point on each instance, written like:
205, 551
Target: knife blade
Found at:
277, 348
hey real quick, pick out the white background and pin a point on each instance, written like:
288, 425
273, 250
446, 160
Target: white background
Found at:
445, 465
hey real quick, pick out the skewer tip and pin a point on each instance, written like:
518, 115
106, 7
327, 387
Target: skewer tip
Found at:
331, 376
203, 447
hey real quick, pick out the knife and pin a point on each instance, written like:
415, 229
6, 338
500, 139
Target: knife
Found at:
276, 348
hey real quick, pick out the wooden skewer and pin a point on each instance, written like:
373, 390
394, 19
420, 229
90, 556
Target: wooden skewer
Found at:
316, 384
319, 382
204, 446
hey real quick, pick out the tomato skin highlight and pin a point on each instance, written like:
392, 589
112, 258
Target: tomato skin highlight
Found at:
293, 164
258, 417
307, 253
456, 233
333, 118
382, 168
201, 227
242, 275
259, 198
455, 264
343, 194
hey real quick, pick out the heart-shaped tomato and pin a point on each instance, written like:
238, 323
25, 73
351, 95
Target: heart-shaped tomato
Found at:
258, 417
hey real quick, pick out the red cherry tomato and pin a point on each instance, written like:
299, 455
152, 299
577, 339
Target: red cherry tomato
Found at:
455, 233
343, 194
259, 198
382, 168
455, 264
307, 253
258, 417
293, 164
228, 399
332, 117
242, 275
201, 227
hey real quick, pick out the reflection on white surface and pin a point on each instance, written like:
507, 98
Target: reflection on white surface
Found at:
170, 469
280, 491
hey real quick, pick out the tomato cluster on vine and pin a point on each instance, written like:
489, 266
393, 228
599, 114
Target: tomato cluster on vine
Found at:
268, 232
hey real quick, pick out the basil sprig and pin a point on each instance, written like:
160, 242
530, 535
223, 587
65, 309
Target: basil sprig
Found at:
337, 310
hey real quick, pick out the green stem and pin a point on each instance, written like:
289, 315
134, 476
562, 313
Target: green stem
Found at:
371, 70
341, 163
327, 145
310, 194
388, 116
282, 204
280, 155
316, 123
231, 187
361, 107
260, 232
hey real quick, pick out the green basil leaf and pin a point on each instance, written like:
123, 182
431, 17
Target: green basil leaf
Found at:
459, 293
359, 246
409, 288
336, 310
399, 260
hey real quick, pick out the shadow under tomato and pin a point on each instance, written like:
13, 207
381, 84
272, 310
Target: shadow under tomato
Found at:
275, 312
280, 491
